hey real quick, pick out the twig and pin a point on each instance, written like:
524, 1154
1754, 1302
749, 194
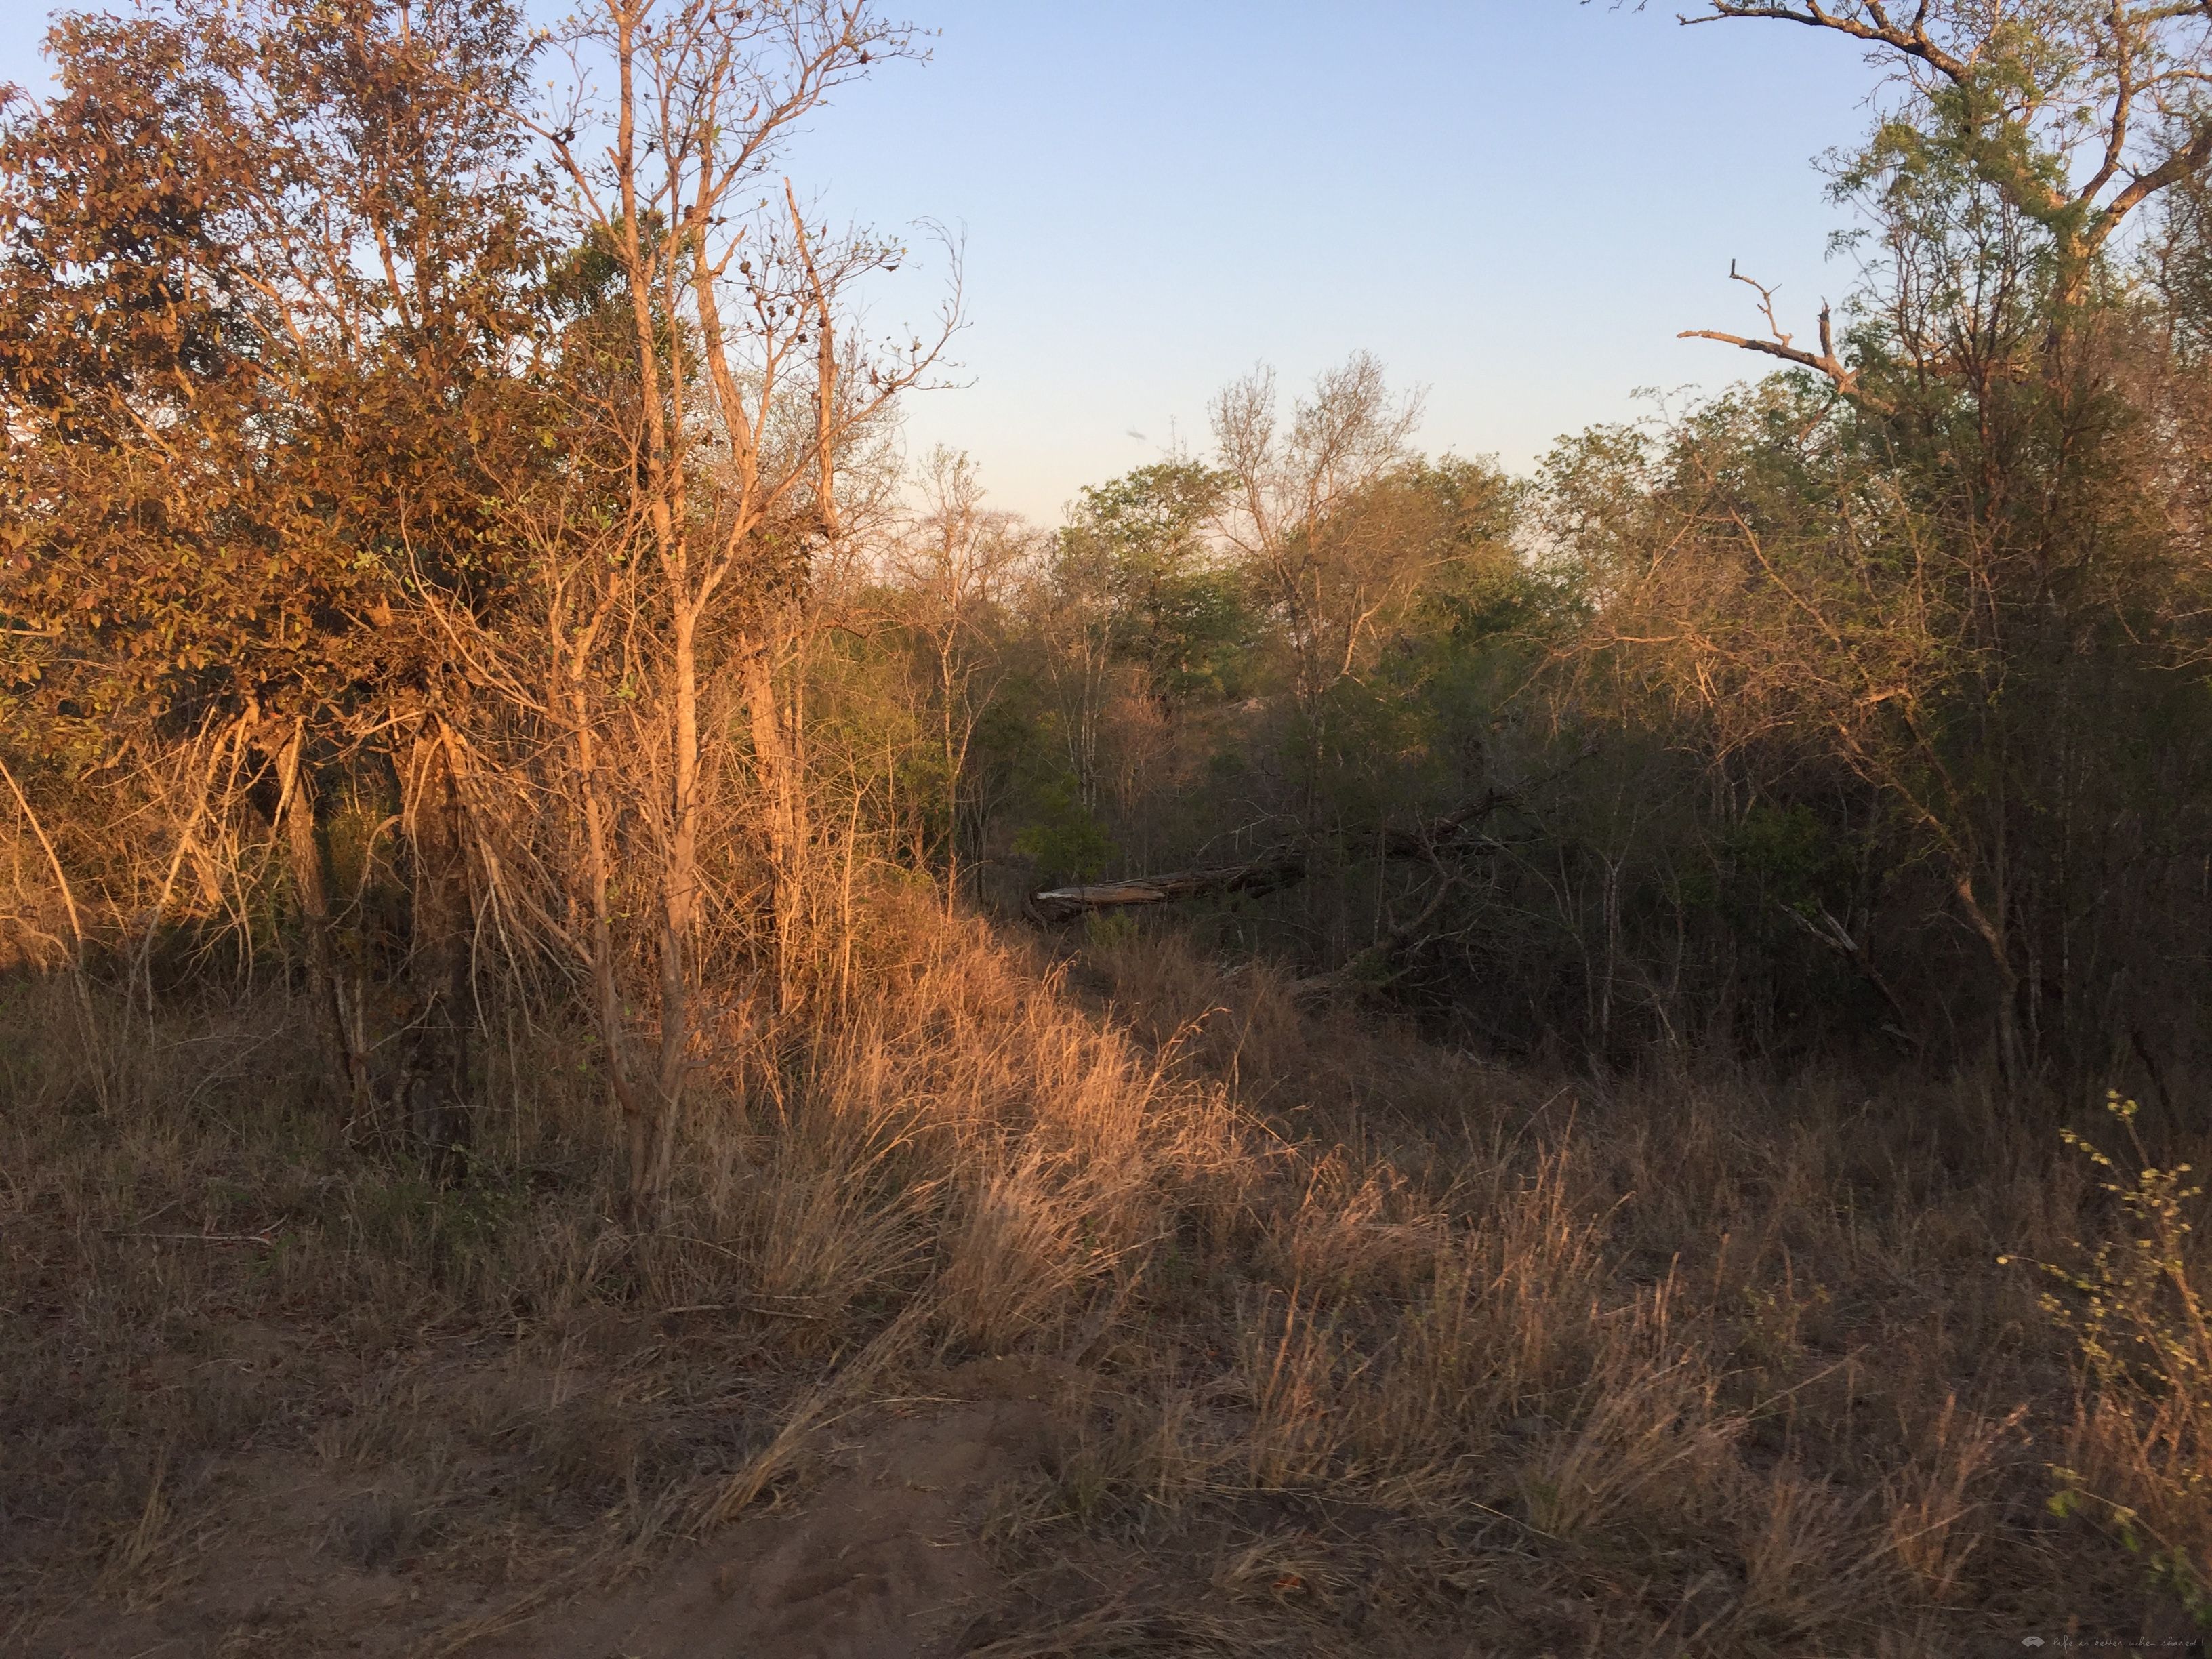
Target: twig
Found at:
1845, 378
53, 858
742, 1307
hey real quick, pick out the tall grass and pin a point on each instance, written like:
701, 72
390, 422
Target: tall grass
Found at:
1354, 1339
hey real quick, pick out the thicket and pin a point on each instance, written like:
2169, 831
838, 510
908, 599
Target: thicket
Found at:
425, 530
460, 585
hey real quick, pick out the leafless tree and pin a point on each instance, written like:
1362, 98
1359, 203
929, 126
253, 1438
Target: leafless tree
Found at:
752, 380
1332, 549
953, 565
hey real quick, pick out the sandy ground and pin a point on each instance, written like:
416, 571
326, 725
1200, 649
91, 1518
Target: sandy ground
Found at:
880, 1558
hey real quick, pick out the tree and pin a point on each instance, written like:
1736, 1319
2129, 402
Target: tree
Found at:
1333, 547
2071, 114
1138, 548
268, 299
751, 381
954, 565
1936, 581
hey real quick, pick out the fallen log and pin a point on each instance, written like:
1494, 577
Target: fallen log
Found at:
1282, 868
1268, 875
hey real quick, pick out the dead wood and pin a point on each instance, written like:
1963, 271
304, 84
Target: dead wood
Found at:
1266, 875
1270, 874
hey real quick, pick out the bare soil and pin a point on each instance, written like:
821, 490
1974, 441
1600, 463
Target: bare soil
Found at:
881, 1555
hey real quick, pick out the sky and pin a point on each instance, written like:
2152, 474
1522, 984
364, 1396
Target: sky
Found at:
1515, 204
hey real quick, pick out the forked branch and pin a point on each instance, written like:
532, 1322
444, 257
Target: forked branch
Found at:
1844, 378
1869, 21
2099, 71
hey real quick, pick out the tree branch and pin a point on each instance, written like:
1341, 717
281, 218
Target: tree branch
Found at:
1268, 874
1869, 21
1826, 362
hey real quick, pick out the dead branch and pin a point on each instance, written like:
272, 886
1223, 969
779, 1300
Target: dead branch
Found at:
1844, 377
1837, 938
1868, 21
1270, 874
1442, 835
1367, 967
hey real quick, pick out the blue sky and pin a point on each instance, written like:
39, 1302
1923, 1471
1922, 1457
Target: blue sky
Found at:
1514, 203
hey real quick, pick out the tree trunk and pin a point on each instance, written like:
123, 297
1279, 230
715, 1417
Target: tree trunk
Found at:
437, 1094
679, 880
1270, 872
1268, 875
344, 1064
2011, 1063
781, 811
599, 875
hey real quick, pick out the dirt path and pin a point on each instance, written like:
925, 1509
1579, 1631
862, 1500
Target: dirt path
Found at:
879, 1558
880, 1562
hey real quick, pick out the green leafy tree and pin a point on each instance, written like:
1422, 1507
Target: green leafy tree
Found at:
1137, 548
270, 299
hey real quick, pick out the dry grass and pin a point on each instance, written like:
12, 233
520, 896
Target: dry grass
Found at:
1365, 1344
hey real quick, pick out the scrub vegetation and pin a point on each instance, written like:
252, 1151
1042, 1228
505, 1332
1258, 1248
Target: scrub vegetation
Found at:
630, 1021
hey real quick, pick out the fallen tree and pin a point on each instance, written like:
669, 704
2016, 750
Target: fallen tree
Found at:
1269, 873
1266, 875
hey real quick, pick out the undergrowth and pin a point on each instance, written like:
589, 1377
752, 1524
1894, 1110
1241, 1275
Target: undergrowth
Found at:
1361, 1342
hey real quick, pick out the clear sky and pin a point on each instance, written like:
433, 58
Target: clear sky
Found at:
1514, 203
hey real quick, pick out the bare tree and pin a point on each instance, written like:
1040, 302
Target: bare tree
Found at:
953, 563
751, 379
1082, 669
1330, 547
